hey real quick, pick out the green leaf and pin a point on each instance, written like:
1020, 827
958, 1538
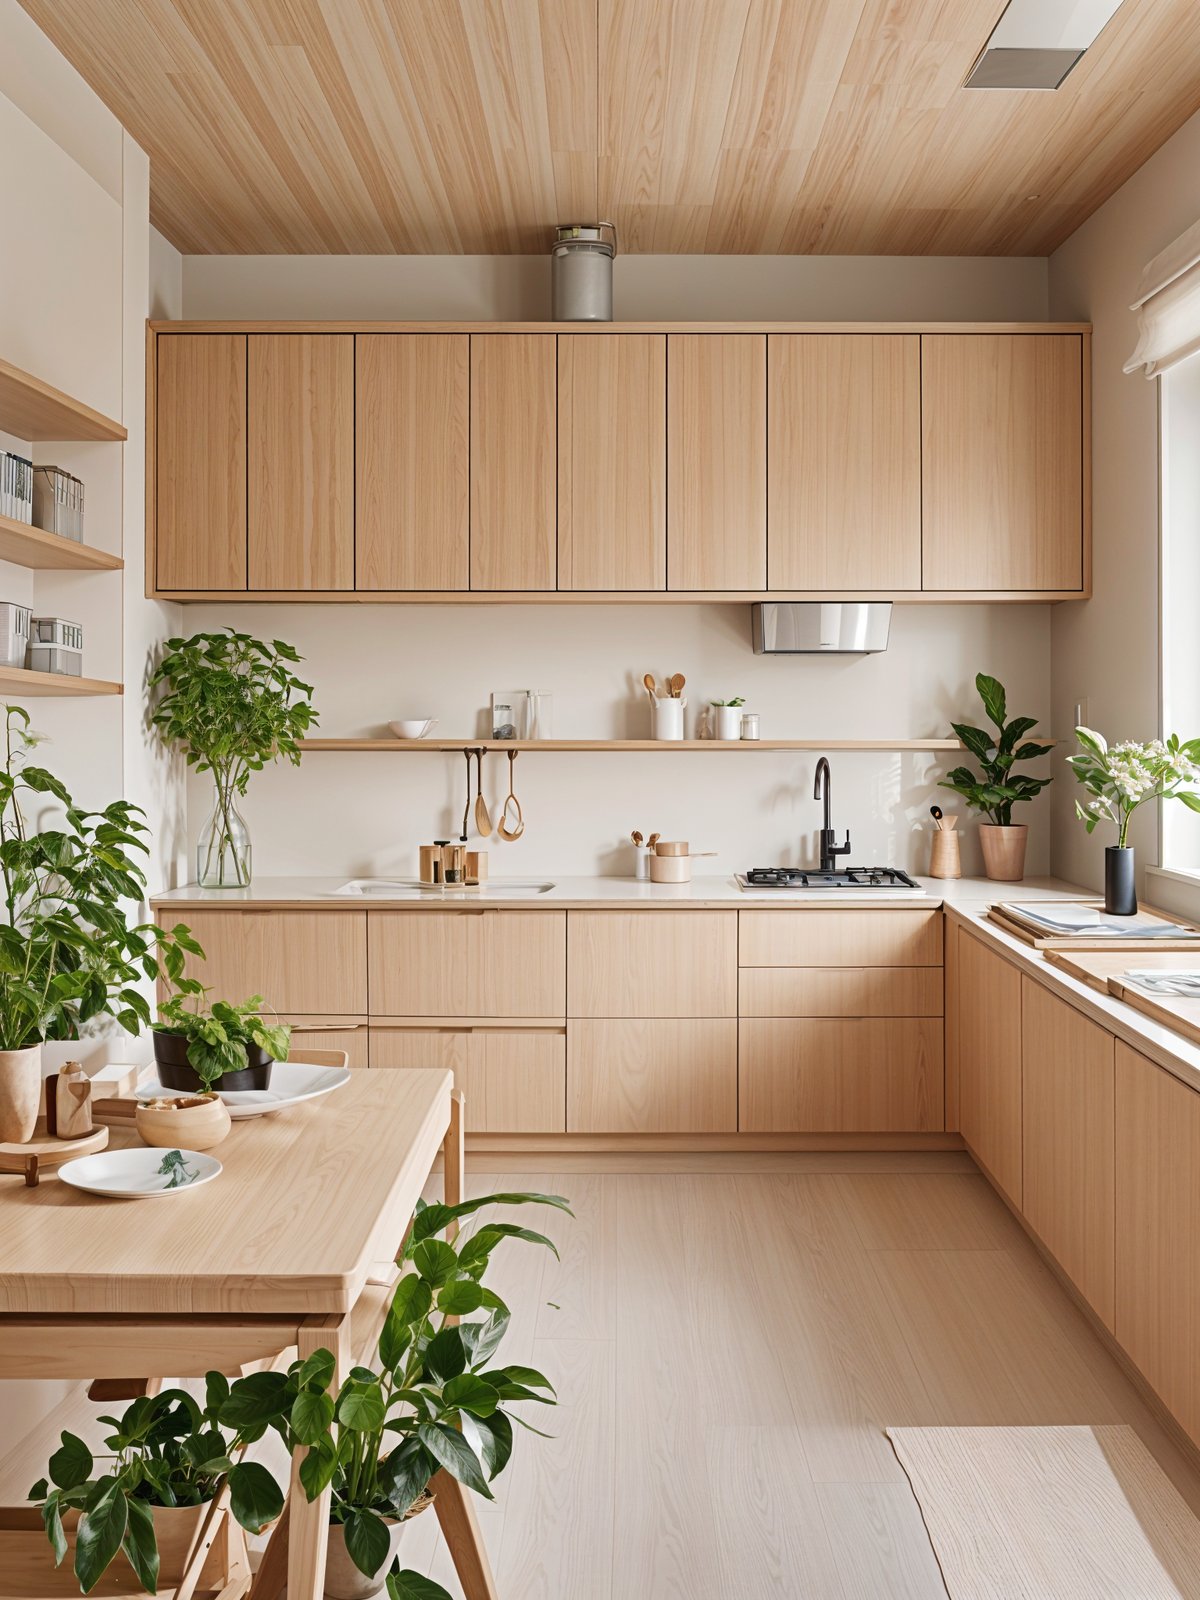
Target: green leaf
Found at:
71, 1463
361, 1408
434, 1219
480, 1245
318, 1466
141, 1546
445, 1355
412, 1586
450, 1450
436, 1261
1092, 741
316, 1371
411, 1304
1191, 801
52, 1522
254, 1497
368, 1541
216, 1392
980, 744
403, 1474
312, 1415
470, 1393
258, 1397
480, 1339
460, 1298
101, 1530
991, 692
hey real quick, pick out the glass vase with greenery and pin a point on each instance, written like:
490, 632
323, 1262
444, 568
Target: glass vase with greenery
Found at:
232, 704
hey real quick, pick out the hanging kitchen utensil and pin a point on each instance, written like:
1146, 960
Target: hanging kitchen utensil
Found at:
512, 822
467, 805
483, 819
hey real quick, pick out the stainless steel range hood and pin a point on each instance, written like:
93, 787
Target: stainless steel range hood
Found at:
821, 627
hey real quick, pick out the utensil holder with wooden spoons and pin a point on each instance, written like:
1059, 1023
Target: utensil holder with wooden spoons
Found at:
945, 858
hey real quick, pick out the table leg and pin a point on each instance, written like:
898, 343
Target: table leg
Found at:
460, 1529
308, 1522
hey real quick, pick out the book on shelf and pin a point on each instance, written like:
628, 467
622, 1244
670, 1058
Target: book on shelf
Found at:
16, 487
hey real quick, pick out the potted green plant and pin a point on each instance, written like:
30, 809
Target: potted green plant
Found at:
69, 952
197, 1047
169, 1458
232, 704
997, 788
434, 1400
1120, 778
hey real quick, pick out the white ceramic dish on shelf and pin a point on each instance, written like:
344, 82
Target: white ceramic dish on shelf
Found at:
413, 727
292, 1084
140, 1174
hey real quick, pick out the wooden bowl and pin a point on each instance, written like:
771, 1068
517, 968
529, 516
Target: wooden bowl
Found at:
183, 1122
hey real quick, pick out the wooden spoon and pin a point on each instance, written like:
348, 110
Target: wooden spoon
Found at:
483, 820
675, 685
651, 686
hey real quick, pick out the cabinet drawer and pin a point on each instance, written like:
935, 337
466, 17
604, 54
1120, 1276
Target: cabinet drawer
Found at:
329, 1033
827, 1075
840, 938
468, 963
310, 962
652, 964
514, 1080
840, 992
652, 1076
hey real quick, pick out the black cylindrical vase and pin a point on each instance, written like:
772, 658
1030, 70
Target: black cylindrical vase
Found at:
1120, 895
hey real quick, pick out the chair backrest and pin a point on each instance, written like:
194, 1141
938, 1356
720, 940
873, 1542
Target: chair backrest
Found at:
319, 1058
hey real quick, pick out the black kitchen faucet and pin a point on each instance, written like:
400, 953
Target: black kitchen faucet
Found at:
830, 849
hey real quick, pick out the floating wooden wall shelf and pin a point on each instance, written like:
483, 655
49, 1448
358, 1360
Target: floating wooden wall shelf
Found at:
445, 746
50, 552
32, 409
22, 684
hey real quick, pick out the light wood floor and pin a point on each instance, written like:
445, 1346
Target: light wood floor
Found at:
730, 1337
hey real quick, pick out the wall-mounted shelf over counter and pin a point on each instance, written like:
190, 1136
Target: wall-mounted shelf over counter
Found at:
644, 746
31, 409
26, 546
19, 683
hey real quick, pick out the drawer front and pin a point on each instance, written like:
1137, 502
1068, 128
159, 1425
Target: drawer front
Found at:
329, 1033
309, 962
652, 964
836, 1075
840, 992
514, 1080
840, 938
655, 1075
468, 963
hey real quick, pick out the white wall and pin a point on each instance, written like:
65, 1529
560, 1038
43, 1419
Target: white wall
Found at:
1107, 650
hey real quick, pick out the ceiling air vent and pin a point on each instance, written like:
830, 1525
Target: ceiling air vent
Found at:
1037, 42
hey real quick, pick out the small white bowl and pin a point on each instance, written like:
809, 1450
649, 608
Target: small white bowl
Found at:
413, 727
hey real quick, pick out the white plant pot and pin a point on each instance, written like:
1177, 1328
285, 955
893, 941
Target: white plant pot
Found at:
729, 722
20, 1093
343, 1580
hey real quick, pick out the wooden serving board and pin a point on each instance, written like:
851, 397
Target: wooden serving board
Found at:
1096, 968
44, 1151
1042, 940
1172, 1011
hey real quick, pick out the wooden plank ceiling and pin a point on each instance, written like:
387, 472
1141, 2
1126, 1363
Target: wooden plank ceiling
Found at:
756, 126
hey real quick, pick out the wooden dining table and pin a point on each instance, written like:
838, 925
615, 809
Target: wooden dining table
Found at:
270, 1256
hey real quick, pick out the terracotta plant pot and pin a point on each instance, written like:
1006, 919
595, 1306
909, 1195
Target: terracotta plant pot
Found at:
20, 1093
1004, 851
176, 1072
190, 1122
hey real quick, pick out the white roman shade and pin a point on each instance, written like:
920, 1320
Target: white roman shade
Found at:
1168, 307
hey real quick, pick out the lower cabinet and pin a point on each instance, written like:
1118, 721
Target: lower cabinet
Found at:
1067, 1141
987, 1016
329, 1033
652, 1075
840, 1075
514, 1079
310, 962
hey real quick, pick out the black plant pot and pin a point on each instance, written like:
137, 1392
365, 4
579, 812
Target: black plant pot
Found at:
175, 1071
1120, 893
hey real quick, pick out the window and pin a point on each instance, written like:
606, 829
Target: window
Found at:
1180, 399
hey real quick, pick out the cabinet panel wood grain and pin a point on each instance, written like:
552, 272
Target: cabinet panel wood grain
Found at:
840, 938
329, 1033
840, 1075
652, 963
652, 1076
989, 1061
612, 461
468, 963
1002, 461
514, 1080
1067, 1144
514, 383
300, 467
716, 461
311, 962
840, 992
844, 483
412, 445
200, 474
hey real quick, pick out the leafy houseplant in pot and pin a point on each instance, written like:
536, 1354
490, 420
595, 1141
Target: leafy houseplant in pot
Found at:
998, 788
232, 703
1120, 778
69, 951
434, 1400
199, 1048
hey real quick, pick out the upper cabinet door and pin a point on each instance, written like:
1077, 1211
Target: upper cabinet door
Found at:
513, 465
200, 477
411, 454
300, 475
844, 447
1003, 460
717, 461
612, 461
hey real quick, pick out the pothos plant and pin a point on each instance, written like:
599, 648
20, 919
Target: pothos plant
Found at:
69, 951
219, 1036
997, 788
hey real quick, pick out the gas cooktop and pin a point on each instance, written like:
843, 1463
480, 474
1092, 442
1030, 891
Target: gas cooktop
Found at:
870, 878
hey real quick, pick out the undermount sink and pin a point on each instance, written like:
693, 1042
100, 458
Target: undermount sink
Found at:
410, 889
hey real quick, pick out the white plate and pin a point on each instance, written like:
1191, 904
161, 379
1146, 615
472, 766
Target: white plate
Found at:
292, 1083
138, 1174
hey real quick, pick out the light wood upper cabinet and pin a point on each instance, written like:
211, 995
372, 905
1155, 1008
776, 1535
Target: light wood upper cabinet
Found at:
612, 461
1067, 1143
300, 466
200, 475
411, 452
1002, 461
844, 453
716, 461
988, 1052
514, 424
